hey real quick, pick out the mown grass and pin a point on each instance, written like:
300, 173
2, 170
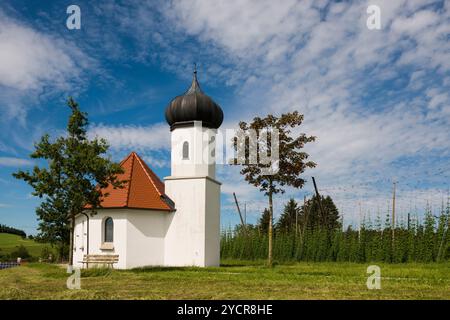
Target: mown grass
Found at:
233, 280
10, 242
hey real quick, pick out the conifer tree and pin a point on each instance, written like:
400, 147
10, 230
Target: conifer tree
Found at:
328, 219
288, 219
264, 221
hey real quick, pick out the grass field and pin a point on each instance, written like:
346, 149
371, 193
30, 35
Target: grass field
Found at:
9, 242
233, 280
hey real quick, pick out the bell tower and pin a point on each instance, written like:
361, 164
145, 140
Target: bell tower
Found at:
193, 234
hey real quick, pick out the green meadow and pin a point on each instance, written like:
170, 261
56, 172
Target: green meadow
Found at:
233, 280
10, 242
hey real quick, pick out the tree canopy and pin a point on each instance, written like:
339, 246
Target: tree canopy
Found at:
77, 170
271, 157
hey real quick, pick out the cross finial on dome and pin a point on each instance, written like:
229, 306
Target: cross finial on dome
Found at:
195, 87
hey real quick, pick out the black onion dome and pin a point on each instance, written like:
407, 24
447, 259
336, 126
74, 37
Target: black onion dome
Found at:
194, 105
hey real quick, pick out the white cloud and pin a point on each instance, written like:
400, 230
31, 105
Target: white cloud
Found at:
156, 162
35, 64
130, 137
14, 162
373, 98
30, 58
364, 93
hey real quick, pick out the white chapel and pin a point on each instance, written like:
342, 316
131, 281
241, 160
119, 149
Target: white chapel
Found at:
155, 223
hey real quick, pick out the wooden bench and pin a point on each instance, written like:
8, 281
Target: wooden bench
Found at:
100, 259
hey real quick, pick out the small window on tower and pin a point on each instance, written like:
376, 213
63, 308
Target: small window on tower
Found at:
185, 150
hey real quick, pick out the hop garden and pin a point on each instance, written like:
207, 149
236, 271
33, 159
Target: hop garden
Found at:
299, 237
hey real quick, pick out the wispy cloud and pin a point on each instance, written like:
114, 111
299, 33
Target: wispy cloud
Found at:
15, 162
157, 160
33, 65
131, 137
376, 100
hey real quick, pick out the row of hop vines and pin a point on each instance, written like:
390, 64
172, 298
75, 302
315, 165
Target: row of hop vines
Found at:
416, 241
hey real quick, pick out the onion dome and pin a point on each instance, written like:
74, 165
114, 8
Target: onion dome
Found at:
192, 106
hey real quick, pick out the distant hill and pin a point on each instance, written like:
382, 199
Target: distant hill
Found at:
10, 242
11, 230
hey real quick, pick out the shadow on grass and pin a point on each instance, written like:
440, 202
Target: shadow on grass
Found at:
164, 269
242, 265
226, 264
96, 272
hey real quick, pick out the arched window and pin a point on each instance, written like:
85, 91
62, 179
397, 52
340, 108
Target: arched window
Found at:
185, 150
213, 146
109, 230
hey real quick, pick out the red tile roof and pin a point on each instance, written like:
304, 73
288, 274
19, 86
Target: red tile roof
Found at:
143, 189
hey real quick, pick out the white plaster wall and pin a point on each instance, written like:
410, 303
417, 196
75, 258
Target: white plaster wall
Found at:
138, 236
194, 229
146, 230
185, 234
201, 161
96, 235
212, 224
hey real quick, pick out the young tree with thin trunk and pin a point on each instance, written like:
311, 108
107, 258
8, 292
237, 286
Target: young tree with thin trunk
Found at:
76, 173
272, 174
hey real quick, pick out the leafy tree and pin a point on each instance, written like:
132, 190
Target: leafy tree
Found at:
289, 217
76, 173
268, 174
20, 252
46, 253
53, 227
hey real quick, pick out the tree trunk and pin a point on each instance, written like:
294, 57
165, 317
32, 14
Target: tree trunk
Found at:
270, 256
72, 229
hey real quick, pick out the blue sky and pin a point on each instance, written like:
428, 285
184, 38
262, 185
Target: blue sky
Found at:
377, 100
